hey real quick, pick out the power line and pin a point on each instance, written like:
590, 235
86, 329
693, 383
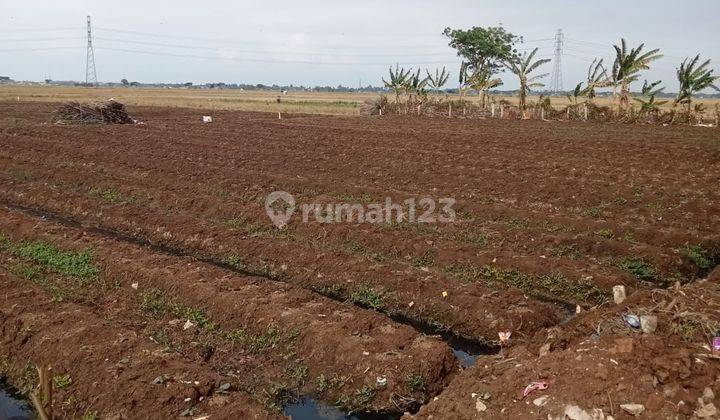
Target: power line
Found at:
39, 49
271, 61
40, 39
193, 47
15, 30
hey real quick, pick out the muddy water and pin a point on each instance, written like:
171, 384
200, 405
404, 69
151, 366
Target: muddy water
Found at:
309, 409
12, 406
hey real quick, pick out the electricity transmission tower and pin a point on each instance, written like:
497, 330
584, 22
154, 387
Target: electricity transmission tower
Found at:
557, 83
90, 73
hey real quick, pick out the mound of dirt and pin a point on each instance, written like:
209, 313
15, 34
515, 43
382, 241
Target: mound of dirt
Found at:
107, 112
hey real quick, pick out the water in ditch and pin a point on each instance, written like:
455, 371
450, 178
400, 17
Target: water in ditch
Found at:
12, 405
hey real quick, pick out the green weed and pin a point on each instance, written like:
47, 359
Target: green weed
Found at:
605, 233
415, 381
425, 260
62, 381
107, 194
701, 257
367, 296
552, 285
641, 269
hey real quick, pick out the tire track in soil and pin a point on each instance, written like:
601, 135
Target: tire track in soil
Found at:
334, 340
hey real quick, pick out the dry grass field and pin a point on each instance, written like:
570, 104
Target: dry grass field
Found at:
237, 100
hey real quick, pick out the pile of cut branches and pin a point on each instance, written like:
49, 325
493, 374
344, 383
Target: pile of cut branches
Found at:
107, 112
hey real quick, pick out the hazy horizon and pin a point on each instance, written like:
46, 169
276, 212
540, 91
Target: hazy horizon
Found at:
325, 43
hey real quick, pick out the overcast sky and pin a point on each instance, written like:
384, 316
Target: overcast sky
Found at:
330, 42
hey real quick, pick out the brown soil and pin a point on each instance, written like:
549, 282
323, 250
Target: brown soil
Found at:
551, 215
112, 367
597, 362
357, 345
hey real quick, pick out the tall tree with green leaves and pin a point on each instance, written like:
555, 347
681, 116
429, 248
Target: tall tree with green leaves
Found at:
398, 81
627, 67
693, 79
439, 80
484, 49
522, 67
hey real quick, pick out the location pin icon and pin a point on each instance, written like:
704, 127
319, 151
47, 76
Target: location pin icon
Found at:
280, 206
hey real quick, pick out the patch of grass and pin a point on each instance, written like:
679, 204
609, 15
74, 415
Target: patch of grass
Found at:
90, 415
38, 261
326, 383
415, 381
641, 269
688, 329
235, 262
298, 373
605, 233
425, 260
351, 198
255, 229
268, 340
702, 258
163, 339
76, 264
569, 251
365, 295
62, 381
156, 303
594, 212
629, 237
550, 227
276, 396
360, 249
108, 194
20, 175
549, 286
37, 276
468, 237
517, 224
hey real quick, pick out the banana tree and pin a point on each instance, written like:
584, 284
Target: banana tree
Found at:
463, 79
398, 81
437, 81
522, 67
597, 77
416, 86
627, 67
693, 79
648, 103
482, 81
576, 94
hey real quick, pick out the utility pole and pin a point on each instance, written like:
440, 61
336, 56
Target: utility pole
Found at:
90, 73
557, 83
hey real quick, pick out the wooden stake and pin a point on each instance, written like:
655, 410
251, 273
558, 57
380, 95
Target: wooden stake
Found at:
279, 116
585, 108
492, 110
449, 109
502, 111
